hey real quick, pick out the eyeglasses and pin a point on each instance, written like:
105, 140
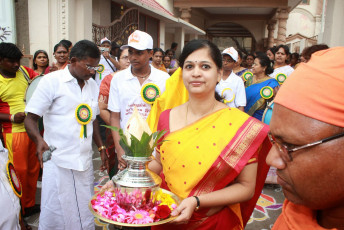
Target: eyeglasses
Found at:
125, 58
91, 67
228, 60
285, 151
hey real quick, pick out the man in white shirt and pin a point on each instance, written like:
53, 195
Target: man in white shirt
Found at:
68, 100
9, 201
231, 88
136, 86
108, 64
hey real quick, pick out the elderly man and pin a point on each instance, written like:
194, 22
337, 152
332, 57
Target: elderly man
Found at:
307, 129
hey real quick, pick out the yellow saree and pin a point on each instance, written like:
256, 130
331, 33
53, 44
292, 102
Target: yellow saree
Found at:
207, 156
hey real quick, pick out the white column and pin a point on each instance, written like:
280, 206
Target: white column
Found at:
7, 21
162, 35
179, 37
334, 26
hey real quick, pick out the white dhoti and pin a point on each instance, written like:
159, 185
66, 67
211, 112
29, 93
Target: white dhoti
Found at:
9, 202
65, 197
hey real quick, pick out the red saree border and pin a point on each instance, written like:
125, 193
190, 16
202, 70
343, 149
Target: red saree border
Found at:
234, 158
235, 155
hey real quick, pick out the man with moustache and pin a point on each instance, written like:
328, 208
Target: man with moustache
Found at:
136, 86
307, 130
14, 80
68, 100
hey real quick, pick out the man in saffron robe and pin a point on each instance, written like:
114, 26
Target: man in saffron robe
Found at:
307, 130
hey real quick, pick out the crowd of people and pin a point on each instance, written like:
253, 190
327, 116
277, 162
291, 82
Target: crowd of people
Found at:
212, 104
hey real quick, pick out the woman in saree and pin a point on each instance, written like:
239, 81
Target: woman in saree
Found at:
40, 62
158, 54
281, 69
260, 88
214, 158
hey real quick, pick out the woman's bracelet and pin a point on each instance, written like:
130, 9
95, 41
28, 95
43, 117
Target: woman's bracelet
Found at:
12, 117
198, 203
101, 148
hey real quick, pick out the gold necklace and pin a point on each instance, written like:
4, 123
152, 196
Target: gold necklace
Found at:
187, 110
144, 76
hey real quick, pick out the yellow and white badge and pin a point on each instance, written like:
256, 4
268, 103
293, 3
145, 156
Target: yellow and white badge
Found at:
13, 179
281, 77
83, 114
227, 93
266, 92
150, 92
247, 75
100, 70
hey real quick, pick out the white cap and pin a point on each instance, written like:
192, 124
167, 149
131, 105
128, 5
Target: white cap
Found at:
105, 40
231, 52
139, 40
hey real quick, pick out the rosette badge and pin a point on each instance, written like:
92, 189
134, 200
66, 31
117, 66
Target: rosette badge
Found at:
137, 140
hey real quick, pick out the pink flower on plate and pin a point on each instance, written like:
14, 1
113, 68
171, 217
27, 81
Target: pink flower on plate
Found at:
139, 217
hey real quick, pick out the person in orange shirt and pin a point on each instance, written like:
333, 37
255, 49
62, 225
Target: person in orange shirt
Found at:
14, 80
307, 130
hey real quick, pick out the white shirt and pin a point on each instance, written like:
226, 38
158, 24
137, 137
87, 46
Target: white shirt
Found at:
9, 202
107, 69
233, 86
56, 98
287, 70
125, 92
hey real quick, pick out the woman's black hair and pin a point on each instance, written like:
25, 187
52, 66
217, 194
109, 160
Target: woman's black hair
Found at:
284, 47
60, 44
10, 50
66, 42
119, 53
84, 49
166, 56
272, 49
158, 50
194, 45
214, 52
264, 61
250, 54
35, 56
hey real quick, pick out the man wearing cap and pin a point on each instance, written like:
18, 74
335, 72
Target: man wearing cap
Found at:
108, 64
307, 130
231, 88
136, 86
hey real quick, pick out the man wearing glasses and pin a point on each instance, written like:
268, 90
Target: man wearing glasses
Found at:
307, 130
68, 100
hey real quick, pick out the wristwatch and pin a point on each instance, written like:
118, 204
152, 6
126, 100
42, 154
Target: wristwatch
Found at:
101, 148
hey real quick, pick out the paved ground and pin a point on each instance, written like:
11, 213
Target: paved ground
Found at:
267, 209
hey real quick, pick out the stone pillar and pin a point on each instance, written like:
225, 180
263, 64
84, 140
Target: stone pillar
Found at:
185, 15
282, 17
179, 37
334, 26
162, 35
271, 32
